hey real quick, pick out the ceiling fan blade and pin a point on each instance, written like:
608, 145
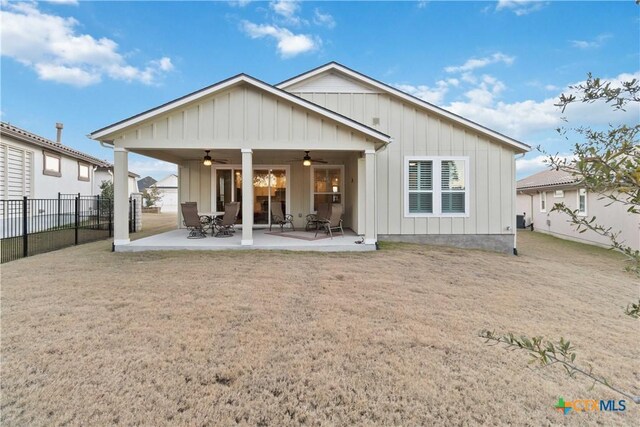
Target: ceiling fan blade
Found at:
319, 161
220, 161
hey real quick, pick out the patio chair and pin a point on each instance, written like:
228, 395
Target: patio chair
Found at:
334, 222
205, 220
192, 221
324, 210
277, 217
225, 225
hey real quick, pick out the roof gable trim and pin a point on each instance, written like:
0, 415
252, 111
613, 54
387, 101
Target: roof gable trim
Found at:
334, 66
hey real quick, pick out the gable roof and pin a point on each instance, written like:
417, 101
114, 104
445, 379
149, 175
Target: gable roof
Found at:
547, 179
145, 183
334, 66
39, 141
100, 134
169, 181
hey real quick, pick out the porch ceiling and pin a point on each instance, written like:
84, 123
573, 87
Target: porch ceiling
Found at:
234, 156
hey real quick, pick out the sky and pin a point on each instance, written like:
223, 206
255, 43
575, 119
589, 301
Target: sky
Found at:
502, 64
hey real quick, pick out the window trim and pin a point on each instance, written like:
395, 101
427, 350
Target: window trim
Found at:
558, 194
437, 187
312, 193
51, 172
80, 177
543, 198
581, 213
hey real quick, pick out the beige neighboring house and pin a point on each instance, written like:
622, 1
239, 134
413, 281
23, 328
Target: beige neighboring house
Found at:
402, 169
168, 192
36, 167
105, 173
538, 193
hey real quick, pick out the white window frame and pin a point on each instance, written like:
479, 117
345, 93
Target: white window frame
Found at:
437, 186
543, 201
584, 191
312, 189
558, 194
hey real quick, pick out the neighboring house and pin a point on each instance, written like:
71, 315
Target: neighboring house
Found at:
145, 182
168, 192
539, 192
402, 168
105, 173
39, 168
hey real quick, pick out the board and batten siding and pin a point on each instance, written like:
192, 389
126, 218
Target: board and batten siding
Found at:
242, 116
417, 132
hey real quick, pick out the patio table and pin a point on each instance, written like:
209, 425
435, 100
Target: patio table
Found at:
211, 217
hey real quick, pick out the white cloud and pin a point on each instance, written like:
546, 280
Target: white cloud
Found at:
475, 63
287, 10
144, 166
551, 87
50, 45
69, 2
323, 19
239, 3
528, 166
289, 44
422, 4
434, 95
591, 44
521, 7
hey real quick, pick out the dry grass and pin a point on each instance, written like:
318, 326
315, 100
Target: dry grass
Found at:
269, 338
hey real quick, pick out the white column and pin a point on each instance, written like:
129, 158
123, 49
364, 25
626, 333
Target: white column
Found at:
370, 197
120, 196
247, 197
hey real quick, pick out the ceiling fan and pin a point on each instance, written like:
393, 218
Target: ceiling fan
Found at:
307, 160
207, 160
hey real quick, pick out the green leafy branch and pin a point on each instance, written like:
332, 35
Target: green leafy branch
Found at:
547, 353
633, 310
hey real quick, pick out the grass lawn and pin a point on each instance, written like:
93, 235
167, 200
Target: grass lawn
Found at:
270, 338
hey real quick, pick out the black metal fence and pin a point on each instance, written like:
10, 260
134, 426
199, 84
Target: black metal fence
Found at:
33, 226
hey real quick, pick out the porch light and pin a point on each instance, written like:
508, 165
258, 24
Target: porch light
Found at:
335, 188
306, 160
207, 159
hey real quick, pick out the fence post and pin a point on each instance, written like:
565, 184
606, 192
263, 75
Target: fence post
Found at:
110, 203
77, 217
25, 235
134, 216
59, 208
98, 198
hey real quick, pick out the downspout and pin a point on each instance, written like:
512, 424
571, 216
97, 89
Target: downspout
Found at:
375, 194
515, 232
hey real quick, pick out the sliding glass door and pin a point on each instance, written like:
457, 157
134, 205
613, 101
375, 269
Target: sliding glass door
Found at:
269, 187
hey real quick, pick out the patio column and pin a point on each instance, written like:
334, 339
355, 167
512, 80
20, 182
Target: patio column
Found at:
370, 197
247, 197
120, 196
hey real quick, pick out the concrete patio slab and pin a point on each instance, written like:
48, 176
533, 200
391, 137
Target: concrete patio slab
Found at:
262, 240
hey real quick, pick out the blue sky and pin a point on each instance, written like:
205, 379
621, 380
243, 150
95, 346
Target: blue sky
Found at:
502, 64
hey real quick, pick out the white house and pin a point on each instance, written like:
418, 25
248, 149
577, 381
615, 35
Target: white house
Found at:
105, 173
36, 167
403, 169
539, 192
168, 191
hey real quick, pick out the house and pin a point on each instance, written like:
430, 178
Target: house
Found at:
105, 173
168, 192
538, 193
36, 167
402, 169
145, 182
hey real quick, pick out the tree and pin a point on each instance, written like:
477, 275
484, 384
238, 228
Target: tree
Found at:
151, 196
106, 189
607, 162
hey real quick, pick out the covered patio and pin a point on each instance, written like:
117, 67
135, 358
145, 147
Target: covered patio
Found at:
257, 136
262, 239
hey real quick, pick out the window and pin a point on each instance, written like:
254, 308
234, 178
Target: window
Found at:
436, 186
582, 201
83, 172
51, 164
558, 194
327, 185
543, 202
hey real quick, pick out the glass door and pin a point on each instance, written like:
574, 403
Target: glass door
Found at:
269, 187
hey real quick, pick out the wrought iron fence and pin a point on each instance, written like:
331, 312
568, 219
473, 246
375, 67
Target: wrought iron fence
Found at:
33, 226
